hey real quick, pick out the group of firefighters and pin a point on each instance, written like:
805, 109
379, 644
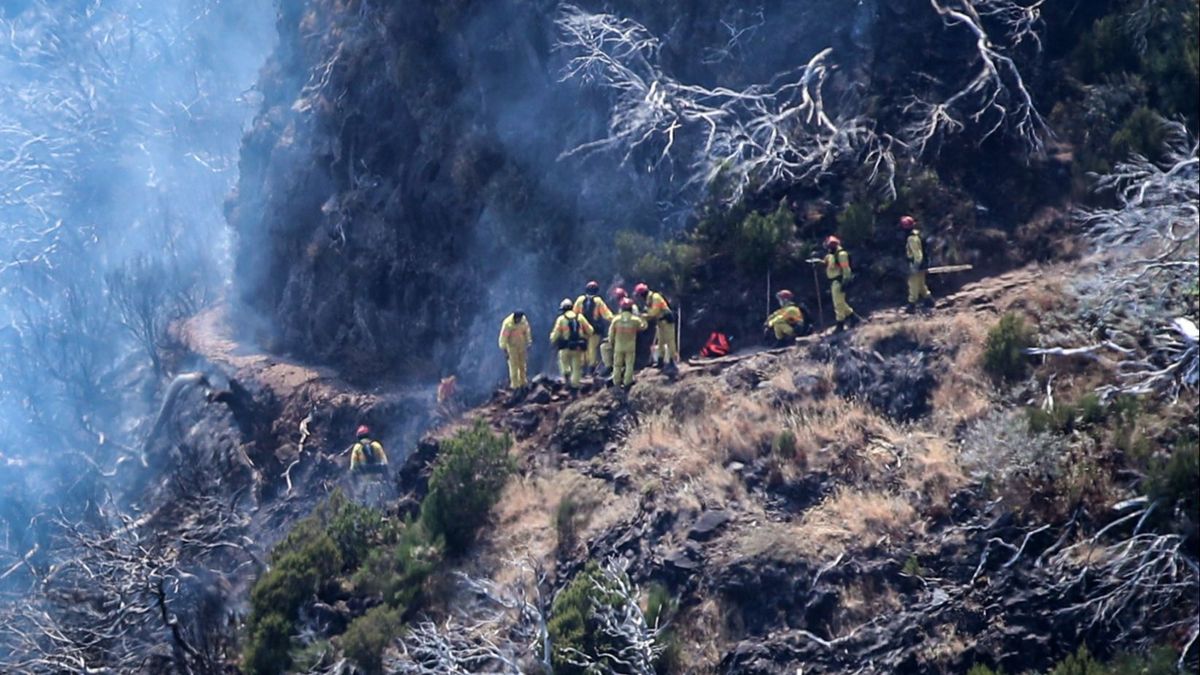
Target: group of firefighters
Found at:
591, 338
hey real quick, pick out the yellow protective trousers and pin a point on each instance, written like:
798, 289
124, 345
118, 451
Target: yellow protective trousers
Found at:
841, 309
623, 366
606, 352
571, 361
783, 330
668, 346
517, 376
917, 290
593, 349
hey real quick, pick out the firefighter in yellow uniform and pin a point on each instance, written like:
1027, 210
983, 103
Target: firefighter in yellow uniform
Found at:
592, 307
606, 346
570, 335
837, 270
788, 320
367, 454
914, 251
515, 338
658, 314
623, 333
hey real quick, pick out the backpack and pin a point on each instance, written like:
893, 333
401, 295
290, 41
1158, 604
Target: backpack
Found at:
717, 345
575, 339
924, 253
589, 310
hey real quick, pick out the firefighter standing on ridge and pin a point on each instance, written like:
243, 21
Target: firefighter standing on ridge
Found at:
570, 335
515, 338
367, 455
837, 270
787, 321
592, 307
918, 262
606, 346
624, 331
658, 314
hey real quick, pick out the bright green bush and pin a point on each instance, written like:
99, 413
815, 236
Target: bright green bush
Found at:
368, 635
1004, 352
267, 650
400, 573
471, 469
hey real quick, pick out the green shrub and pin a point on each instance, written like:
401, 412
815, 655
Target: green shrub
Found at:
267, 650
1144, 133
784, 444
1172, 484
572, 622
368, 635
566, 521
1004, 352
400, 573
311, 656
856, 224
761, 240
979, 669
670, 265
353, 527
471, 469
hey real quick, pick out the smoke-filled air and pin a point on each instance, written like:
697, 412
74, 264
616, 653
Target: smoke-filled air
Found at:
352, 337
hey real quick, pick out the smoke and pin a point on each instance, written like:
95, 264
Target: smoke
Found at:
120, 123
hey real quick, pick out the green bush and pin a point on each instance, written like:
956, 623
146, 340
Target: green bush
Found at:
856, 224
1144, 133
980, 669
368, 635
472, 467
267, 650
1160, 661
1172, 484
1065, 418
761, 240
566, 521
572, 622
1004, 352
400, 573
670, 265
784, 444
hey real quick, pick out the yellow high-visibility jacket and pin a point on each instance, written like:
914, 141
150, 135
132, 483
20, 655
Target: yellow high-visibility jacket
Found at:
562, 330
515, 335
359, 454
789, 314
914, 250
656, 306
625, 329
837, 265
600, 309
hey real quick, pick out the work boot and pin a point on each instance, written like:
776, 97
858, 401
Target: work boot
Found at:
910, 308
841, 327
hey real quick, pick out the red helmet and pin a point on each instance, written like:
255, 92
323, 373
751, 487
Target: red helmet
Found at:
619, 293
363, 430
641, 289
626, 303
784, 294
832, 242
908, 222
592, 287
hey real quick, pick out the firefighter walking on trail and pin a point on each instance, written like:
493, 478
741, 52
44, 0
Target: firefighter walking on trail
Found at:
515, 338
591, 306
367, 454
837, 270
918, 263
570, 336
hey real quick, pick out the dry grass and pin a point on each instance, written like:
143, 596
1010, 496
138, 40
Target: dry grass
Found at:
851, 518
524, 516
931, 471
844, 438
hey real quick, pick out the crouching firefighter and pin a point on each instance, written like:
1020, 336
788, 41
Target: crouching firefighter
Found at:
788, 321
367, 455
570, 336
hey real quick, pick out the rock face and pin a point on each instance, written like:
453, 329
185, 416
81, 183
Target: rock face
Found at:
401, 188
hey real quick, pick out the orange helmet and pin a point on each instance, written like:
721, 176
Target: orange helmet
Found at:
908, 222
784, 294
832, 242
626, 303
592, 287
363, 430
641, 289
619, 293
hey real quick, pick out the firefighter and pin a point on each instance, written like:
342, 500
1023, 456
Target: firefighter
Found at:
592, 307
367, 454
570, 336
624, 331
515, 338
918, 262
837, 270
658, 314
787, 321
606, 348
